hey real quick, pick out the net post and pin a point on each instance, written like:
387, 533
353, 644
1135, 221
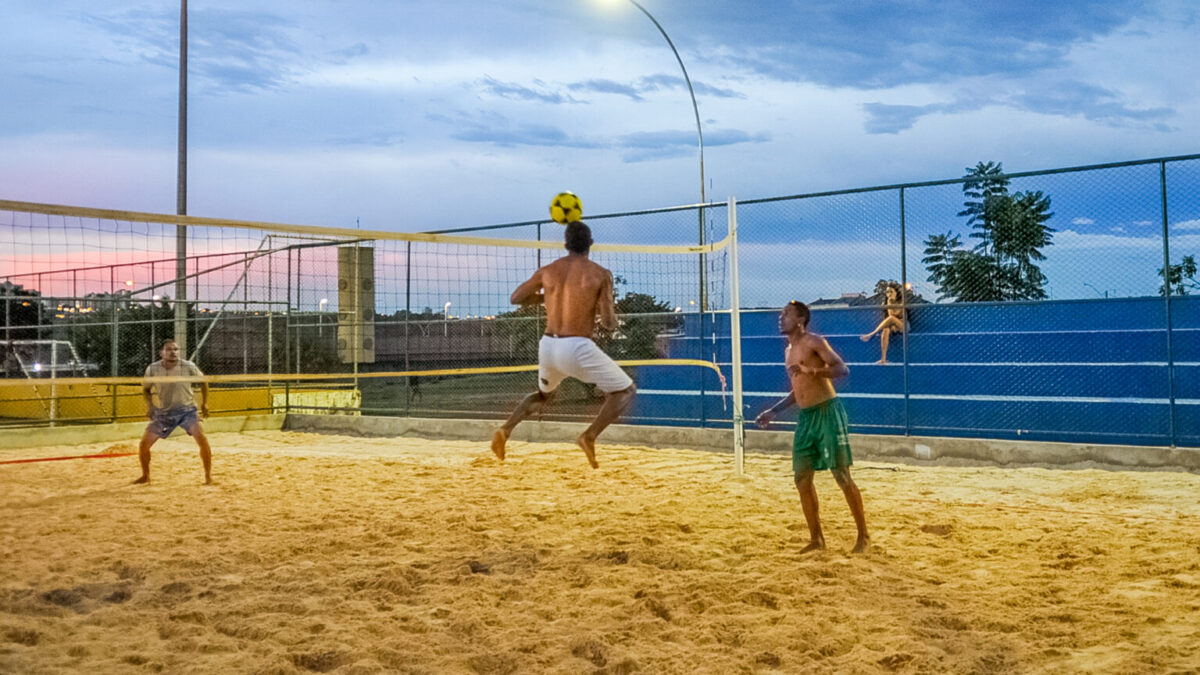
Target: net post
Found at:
735, 337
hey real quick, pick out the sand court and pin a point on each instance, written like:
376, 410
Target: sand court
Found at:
323, 553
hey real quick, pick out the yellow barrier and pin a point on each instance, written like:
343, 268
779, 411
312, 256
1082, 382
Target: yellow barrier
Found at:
94, 401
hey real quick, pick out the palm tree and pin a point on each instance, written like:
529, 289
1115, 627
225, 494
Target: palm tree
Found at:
939, 256
985, 183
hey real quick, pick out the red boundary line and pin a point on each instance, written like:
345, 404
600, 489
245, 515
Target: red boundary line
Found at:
58, 459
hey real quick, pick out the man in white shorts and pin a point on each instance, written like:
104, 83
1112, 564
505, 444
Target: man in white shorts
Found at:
576, 292
175, 407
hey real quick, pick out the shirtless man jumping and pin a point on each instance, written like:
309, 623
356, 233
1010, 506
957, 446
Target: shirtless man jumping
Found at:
576, 292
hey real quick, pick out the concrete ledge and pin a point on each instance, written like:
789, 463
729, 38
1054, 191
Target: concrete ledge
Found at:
907, 449
82, 434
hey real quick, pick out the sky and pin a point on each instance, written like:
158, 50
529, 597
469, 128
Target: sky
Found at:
430, 114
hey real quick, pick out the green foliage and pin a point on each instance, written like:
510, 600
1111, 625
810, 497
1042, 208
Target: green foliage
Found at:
642, 318
1180, 277
524, 328
1012, 231
93, 333
22, 310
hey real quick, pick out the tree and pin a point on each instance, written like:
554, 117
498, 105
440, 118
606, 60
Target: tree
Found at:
1180, 277
1012, 231
24, 310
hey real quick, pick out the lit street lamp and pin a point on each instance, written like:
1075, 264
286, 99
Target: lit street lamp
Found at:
691, 92
446, 319
699, 135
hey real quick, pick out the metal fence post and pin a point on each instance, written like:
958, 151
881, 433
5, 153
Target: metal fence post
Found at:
407, 318
904, 311
287, 339
1166, 273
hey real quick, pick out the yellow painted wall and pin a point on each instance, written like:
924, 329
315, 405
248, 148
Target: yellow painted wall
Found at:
95, 402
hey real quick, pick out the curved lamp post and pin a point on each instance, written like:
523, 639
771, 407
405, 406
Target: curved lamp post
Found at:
699, 137
691, 92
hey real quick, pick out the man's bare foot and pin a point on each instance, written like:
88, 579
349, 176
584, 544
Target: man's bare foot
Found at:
499, 438
142, 481
862, 545
814, 545
207, 480
589, 449
867, 337
881, 362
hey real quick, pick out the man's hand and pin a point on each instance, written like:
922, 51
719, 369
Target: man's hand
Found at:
764, 419
204, 411
801, 369
150, 412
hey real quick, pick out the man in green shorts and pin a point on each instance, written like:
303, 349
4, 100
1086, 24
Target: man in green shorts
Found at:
822, 440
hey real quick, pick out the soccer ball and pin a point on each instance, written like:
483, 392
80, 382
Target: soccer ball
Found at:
566, 208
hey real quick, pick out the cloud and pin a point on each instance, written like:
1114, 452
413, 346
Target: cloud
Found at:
519, 92
1062, 98
355, 50
1193, 224
884, 118
1118, 228
375, 139
607, 87
232, 49
1083, 221
1143, 222
652, 83
650, 145
1073, 98
663, 81
877, 43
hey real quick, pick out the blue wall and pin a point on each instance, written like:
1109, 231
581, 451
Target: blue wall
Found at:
1078, 370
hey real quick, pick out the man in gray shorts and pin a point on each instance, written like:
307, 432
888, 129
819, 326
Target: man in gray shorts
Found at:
575, 290
175, 407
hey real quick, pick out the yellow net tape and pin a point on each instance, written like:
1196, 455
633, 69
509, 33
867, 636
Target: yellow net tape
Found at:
319, 377
313, 230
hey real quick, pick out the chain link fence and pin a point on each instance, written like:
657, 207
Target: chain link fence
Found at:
1052, 305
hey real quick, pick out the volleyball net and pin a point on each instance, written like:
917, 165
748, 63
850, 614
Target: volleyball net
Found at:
315, 319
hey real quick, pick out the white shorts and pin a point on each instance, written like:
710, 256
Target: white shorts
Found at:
580, 358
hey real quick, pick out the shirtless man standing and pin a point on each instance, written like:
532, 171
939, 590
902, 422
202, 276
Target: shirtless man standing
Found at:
822, 440
576, 292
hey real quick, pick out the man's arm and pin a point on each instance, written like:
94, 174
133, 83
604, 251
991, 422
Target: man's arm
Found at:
606, 305
528, 293
148, 397
834, 366
764, 418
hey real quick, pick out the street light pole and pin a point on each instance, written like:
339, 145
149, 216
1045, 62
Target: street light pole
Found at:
699, 136
181, 191
691, 92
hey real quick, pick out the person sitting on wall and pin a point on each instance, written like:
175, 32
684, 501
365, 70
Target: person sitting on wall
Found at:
894, 320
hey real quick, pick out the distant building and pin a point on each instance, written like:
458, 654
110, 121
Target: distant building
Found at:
846, 300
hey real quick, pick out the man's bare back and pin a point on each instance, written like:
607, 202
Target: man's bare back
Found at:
575, 291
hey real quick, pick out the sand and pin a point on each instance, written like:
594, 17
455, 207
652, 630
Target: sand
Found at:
317, 553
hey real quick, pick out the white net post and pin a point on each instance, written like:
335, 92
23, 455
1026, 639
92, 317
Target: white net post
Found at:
735, 336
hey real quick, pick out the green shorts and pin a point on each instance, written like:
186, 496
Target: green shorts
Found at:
822, 440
